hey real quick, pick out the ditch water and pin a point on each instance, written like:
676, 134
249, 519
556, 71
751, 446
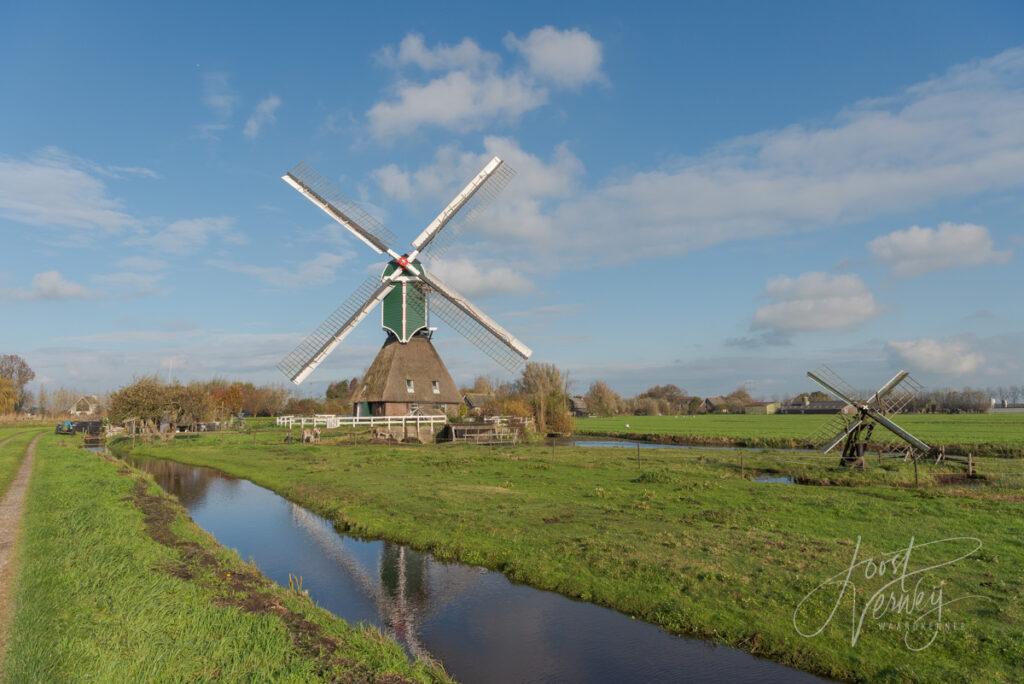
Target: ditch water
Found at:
628, 444
478, 624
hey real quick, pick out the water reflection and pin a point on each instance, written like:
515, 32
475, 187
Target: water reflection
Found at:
479, 625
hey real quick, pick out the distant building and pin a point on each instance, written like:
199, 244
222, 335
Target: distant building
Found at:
88, 405
578, 407
804, 405
761, 408
475, 401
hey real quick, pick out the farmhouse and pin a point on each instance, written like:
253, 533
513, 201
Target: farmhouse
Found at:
578, 407
407, 379
475, 401
87, 405
719, 405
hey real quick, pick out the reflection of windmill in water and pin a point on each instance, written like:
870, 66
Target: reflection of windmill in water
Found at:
854, 431
400, 586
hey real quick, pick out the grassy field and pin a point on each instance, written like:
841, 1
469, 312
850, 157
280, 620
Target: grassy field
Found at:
117, 585
685, 539
980, 434
13, 441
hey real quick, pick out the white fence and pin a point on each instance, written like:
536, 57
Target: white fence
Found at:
332, 422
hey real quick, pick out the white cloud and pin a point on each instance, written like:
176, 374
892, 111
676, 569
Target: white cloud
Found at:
472, 89
815, 301
459, 100
49, 285
523, 208
129, 284
954, 357
473, 277
188, 235
142, 263
918, 250
218, 94
956, 135
569, 58
56, 190
413, 50
265, 113
319, 270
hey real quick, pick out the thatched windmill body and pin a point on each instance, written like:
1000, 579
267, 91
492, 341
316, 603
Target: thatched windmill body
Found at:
407, 376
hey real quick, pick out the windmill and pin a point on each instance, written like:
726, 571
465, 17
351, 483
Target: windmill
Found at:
407, 373
854, 432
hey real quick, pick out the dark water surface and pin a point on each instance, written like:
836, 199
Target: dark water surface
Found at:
478, 624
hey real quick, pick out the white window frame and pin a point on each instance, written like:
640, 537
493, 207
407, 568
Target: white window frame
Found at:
410, 387
435, 386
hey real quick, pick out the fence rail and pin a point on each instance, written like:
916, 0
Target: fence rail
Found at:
332, 422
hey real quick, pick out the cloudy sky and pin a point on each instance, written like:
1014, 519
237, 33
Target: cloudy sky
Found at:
708, 195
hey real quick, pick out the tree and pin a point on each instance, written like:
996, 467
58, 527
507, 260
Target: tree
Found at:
670, 398
342, 390
43, 400
147, 398
482, 385
547, 389
188, 403
8, 396
303, 407
740, 396
602, 400
15, 369
542, 378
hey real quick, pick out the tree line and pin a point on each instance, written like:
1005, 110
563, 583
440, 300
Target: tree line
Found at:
151, 399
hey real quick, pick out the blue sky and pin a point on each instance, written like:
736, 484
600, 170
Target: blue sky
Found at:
707, 194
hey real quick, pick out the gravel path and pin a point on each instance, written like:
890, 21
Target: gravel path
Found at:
11, 507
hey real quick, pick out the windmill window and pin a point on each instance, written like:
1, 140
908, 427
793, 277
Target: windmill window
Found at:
435, 386
409, 387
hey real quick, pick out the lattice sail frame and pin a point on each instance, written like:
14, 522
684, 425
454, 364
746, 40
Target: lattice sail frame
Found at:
470, 213
325, 189
329, 334
890, 399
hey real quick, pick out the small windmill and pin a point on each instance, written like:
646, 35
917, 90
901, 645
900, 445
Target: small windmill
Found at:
407, 372
854, 432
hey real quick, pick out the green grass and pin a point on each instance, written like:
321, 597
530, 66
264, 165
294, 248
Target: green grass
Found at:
980, 434
13, 442
685, 540
117, 585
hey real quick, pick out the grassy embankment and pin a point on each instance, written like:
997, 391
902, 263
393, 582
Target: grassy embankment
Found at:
686, 540
116, 585
981, 434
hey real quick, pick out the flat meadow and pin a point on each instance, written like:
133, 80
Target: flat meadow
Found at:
983, 434
687, 539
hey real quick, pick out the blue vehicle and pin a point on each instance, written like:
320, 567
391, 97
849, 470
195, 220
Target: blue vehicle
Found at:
65, 428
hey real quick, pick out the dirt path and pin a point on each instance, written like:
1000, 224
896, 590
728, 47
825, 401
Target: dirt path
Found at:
11, 507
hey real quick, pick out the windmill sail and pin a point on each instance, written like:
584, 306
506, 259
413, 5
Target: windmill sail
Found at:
322, 341
466, 209
474, 324
330, 199
890, 397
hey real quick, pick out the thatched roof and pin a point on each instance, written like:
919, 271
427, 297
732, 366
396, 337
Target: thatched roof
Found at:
475, 400
416, 360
